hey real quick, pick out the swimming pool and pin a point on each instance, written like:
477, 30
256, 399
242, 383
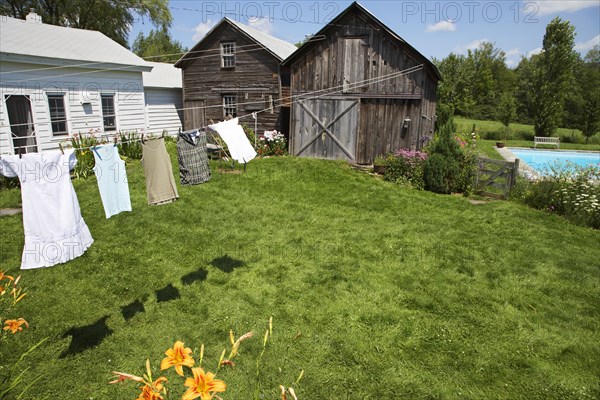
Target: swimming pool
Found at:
541, 160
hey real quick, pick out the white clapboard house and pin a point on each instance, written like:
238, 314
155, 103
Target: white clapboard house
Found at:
56, 82
164, 99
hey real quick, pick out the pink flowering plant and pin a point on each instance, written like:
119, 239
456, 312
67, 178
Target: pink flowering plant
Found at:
405, 167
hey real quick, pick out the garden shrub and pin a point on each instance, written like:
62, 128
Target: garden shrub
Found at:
405, 167
439, 173
454, 167
565, 189
129, 145
271, 143
85, 157
525, 135
444, 116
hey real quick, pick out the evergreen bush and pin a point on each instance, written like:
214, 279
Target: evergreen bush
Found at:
452, 162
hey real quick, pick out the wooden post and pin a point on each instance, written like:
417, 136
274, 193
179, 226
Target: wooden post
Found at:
513, 176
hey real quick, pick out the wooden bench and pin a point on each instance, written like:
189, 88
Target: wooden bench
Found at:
546, 140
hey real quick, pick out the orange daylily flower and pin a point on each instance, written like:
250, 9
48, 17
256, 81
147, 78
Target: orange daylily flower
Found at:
153, 392
177, 357
4, 276
121, 376
14, 325
202, 385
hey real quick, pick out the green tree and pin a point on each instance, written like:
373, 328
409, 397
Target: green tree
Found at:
473, 84
507, 111
158, 46
524, 88
589, 118
492, 79
454, 89
552, 76
111, 17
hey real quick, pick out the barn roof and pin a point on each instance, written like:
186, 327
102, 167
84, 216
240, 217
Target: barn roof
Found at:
277, 47
355, 6
163, 75
32, 41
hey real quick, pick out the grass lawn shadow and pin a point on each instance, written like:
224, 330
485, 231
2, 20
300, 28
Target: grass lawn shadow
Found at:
167, 293
131, 309
199, 275
227, 264
86, 337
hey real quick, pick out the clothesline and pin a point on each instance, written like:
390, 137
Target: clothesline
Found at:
327, 91
141, 136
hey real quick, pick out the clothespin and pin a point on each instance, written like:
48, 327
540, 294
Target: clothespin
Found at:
142, 138
116, 139
61, 148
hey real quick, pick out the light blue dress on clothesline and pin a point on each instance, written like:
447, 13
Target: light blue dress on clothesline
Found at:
112, 180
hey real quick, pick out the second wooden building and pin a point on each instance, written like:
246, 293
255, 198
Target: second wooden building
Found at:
359, 90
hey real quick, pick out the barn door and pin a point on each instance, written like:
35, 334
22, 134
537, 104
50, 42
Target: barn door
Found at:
355, 57
194, 114
326, 128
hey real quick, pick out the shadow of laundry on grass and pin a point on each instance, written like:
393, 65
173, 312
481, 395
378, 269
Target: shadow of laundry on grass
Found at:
226, 263
131, 309
167, 293
86, 337
199, 275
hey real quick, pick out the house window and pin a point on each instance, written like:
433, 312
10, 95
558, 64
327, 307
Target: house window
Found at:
228, 55
58, 114
108, 112
229, 107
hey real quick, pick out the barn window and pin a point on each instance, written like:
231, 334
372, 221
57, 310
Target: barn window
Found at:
229, 106
109, 119
228, 55
58, 114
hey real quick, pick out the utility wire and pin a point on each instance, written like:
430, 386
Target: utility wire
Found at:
309, 95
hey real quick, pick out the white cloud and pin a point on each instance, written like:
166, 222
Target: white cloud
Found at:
513, 52
584, 47
511, 63
442, 26
534, 52
262, 24
545, 7
202, 29
471, 46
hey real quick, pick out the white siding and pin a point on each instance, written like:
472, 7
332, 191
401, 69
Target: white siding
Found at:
163, 107
82, 89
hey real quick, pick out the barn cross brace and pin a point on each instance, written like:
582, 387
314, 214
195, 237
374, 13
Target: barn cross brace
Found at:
326, 129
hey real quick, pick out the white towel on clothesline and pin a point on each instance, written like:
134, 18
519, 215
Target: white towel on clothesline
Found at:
238, 144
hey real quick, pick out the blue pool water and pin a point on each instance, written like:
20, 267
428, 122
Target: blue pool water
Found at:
540, 160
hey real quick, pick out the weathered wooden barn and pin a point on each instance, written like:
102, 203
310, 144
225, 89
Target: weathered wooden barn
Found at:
359, 90
234, 70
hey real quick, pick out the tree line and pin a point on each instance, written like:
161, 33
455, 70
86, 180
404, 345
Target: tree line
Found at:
113, 18
556, 87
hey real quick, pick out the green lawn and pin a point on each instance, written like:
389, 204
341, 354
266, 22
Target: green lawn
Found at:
376, 291
522, 134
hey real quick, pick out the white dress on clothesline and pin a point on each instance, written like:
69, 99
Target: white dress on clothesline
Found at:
55, 232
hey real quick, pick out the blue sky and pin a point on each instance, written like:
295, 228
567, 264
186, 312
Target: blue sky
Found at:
435, 28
